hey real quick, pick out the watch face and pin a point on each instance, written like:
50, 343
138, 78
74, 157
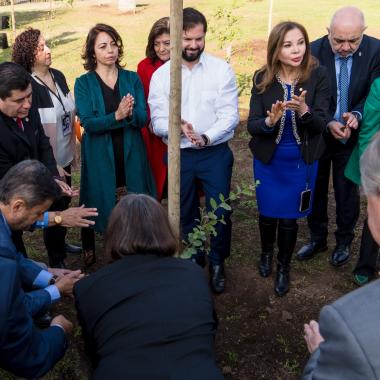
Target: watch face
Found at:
58, 219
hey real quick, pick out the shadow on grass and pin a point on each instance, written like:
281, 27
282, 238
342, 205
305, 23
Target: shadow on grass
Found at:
5, 55
61, 39
24, 18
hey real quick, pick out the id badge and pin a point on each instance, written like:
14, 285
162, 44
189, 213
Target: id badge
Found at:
66, 124
305, 200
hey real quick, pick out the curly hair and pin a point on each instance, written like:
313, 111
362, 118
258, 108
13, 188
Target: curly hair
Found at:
89, 48
25, 48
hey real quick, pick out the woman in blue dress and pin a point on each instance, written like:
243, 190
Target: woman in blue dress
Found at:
288, 109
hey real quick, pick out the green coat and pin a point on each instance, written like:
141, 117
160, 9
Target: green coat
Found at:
370, 125
98, 180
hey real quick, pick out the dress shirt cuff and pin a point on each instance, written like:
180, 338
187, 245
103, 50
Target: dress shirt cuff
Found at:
44, 223
215, 136
42, 280
266, 128
58, 325
358, 115
160, 130
54, 293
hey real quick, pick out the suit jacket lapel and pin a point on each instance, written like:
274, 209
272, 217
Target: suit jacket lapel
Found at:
357, 60
16, 130
330, 65
29, 134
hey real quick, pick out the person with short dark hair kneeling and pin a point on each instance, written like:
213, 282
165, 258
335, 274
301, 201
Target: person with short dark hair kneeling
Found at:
26, 191
148, 315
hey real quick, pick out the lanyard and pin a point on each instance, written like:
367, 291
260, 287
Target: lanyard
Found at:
57, 95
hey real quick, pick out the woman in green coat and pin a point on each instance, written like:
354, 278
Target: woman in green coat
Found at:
366, 266
111, 106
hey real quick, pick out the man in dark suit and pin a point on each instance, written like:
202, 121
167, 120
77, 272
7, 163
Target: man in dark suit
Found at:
345, 344
26, 191
22, 137
353, 62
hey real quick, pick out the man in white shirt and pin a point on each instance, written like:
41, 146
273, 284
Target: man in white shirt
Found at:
209, 117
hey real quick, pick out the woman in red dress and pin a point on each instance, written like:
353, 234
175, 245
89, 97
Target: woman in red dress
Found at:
157, 53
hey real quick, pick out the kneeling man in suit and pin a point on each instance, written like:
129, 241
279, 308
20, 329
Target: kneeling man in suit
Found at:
26, 191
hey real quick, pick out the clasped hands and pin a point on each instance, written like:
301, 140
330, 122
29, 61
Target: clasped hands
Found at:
296, 104
125, 108
194, 137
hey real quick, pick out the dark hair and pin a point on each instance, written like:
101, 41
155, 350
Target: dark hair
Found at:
275, 41
89, 47
160, 27
31, 181
25, 47
192, 17
139, 225
12, 77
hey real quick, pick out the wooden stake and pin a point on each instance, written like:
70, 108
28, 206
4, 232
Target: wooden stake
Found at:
270, 14
13, 18
174, 158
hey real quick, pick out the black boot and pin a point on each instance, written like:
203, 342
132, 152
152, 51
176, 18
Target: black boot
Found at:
286, 240
267, 228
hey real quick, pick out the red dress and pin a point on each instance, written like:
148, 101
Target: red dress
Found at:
155, 147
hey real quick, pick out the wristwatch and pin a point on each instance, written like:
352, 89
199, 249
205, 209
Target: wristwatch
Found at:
57, 218
205, 138
53, 280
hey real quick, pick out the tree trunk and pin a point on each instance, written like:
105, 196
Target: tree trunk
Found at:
229, 52
51, 9
270, 16
174, 158
13, 20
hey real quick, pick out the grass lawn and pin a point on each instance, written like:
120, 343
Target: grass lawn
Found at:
259, 335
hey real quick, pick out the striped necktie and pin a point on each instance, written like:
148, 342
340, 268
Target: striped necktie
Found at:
344, 82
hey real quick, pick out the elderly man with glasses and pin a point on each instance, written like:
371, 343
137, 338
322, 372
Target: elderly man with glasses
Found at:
353, 62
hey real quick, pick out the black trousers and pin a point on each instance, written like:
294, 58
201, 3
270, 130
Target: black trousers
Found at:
54, 237
346, 197
369, 249
88, 239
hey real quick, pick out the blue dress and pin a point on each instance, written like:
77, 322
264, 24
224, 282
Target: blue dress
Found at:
284, 178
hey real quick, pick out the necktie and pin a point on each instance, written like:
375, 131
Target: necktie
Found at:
19, 123
344, 82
